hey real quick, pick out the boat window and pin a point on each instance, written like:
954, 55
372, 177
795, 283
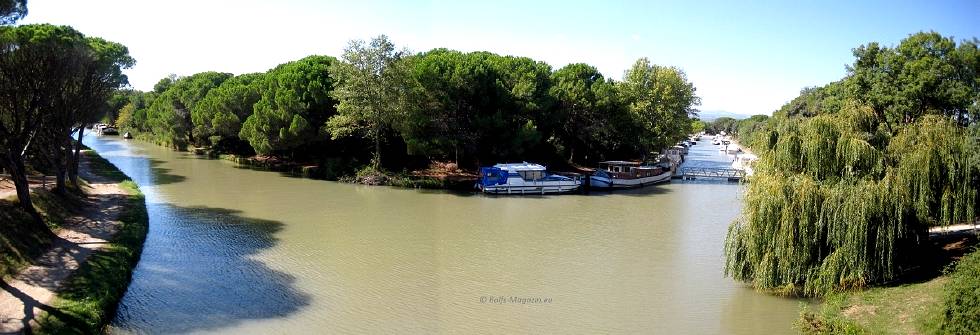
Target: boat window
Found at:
532, 175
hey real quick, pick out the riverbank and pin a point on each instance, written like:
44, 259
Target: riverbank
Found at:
439, 175
77, 278
926, 304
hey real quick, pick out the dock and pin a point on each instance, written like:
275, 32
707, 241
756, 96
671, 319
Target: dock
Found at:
690, 173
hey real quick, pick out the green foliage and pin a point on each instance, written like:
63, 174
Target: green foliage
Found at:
723, 124
295, 101
843, 195
53, 80
661, 103
925, 74
372, 90
169, 116
219, 115
12, 10
698, 126
586, 108
960, 313
476, 106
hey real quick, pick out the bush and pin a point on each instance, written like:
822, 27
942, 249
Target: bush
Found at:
961, 301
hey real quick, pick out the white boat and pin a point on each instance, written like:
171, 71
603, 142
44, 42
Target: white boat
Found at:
744, 162
716, 141
732, 149
523, 178
622, 174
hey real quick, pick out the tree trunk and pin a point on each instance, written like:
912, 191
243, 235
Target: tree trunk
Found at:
377, 153
18, 173
76, 157
60, 166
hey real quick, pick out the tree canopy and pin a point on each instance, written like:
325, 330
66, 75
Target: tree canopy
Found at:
853, 174
468, 107
295, 102
53, 80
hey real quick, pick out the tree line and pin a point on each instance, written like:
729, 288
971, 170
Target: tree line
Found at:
380, 101
853, 174
53, 81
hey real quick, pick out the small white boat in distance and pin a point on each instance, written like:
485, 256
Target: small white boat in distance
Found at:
622, 174
732, 149
523, 178
744, 162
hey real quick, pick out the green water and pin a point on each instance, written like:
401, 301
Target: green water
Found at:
234, 250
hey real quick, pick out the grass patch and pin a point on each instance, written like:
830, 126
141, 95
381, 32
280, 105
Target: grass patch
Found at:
948, 304
904, 309
90, 297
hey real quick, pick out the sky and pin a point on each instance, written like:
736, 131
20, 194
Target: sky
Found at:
744, 57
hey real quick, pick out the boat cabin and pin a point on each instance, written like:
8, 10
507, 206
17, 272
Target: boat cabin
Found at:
629, 170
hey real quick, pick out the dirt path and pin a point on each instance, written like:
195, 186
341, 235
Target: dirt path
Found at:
7, 188
23, 297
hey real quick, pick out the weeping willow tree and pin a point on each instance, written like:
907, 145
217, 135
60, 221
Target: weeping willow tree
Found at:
844, 197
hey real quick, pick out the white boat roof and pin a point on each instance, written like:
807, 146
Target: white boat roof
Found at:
620, 163
524, 166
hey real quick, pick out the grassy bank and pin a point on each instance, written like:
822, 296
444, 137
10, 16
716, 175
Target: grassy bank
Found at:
904, 309
90, 296
947, 304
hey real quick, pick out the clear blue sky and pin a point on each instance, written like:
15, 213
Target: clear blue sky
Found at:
746, 58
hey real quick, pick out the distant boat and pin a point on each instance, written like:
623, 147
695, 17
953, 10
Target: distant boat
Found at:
716, 141
523, 178
744, 162
622, 174
108, 130
128, 136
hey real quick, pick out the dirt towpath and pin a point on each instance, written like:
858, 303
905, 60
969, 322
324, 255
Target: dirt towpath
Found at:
26, 295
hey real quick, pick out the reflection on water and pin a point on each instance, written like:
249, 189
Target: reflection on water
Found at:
243, 251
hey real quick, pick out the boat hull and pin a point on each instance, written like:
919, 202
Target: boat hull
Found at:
527, 189
617, 183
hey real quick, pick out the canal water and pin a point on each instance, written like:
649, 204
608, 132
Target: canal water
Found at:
239, 251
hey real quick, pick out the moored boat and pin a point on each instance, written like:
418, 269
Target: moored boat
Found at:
523, 178
108, 130
623, 174
744, 163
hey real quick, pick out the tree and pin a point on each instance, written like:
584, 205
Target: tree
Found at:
12, 10
661, 101
925, 74
295, 103
698, 126
476, 106
371, 91
584, 110
169, 116
218, 117
852, 175
51, 80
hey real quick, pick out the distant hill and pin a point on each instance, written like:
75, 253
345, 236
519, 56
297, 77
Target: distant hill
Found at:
712, 115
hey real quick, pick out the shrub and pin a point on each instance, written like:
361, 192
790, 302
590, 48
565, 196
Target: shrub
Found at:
961, 301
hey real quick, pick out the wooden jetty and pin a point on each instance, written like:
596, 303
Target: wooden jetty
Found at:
703, 172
